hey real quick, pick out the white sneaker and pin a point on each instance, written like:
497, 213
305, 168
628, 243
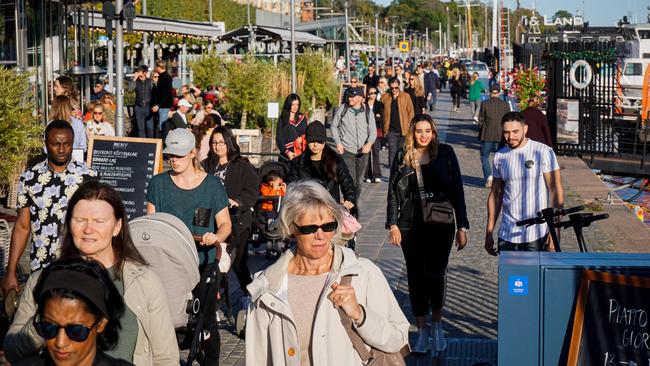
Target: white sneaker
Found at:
422, 345
488, 182
377, 180
367, 180
438, 337
475, 119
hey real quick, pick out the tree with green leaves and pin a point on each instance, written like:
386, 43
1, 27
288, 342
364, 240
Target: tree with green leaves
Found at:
562, 14
319, 87
247, 88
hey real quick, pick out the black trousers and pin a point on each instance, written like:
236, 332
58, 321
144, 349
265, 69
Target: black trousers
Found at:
533, 246
455, 97
426, 252
240, 260
374, 170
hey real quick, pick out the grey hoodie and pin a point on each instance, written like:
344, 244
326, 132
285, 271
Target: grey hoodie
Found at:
353, 130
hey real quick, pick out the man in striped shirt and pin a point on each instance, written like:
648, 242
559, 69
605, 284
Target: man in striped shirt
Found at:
525, 173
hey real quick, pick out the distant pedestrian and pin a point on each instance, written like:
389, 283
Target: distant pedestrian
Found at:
456, 88
490, 127
96, 126
180, 118
537, 123
63, 109
162, 98
371, 79
373, 172
426, 170
476, 88
398, 113
354, 131
98, 91
526, 172
143, 87
290, 133
322, 285
416, 91
431, 88
43, 194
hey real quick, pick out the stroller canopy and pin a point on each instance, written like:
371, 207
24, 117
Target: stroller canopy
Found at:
167, 244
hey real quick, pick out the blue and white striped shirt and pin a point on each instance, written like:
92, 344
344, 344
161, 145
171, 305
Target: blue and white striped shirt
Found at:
525, 192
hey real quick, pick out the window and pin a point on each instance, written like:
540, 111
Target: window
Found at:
7, 32
633, 69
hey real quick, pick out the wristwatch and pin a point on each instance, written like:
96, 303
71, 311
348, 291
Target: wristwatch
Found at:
463, 229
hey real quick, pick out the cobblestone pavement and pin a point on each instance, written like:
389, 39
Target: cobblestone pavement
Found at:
470, 314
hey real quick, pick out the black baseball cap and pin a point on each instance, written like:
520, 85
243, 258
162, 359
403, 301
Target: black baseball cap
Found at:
316, 132
353, 92
495, 88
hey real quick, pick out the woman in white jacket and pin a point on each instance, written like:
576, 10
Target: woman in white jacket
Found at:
293, 318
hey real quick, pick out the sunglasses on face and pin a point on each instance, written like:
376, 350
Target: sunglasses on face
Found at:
76, 332
310, 229
96, 113
372, 93
394, 87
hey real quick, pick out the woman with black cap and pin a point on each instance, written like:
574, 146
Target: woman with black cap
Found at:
324, 165
78, 297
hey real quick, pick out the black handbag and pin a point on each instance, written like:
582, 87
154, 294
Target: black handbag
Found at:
433, 211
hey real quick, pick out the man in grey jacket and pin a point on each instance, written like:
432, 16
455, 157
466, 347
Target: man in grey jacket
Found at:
354, 131
490, 129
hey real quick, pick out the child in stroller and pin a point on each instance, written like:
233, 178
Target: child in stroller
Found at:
267, 207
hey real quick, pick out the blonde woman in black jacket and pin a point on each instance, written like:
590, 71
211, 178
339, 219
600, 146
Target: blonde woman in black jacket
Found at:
426, 246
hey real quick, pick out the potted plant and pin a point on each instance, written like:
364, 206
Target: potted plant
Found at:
527, 85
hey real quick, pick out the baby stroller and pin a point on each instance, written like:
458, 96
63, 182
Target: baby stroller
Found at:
265, 229
169, 248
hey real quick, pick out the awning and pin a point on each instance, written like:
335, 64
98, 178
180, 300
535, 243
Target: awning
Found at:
155, 24
263, 34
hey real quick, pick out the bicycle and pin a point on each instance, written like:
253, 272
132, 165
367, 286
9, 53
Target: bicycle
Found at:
578, 220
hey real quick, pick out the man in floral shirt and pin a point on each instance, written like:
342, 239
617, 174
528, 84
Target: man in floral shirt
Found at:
43, 194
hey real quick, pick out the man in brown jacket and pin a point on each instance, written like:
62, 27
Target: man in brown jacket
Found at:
398, 113
490, 129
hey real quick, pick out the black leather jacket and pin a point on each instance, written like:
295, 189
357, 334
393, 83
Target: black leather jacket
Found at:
403, 195
302, 169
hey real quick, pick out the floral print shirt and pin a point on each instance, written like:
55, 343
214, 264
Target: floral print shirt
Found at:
46, 194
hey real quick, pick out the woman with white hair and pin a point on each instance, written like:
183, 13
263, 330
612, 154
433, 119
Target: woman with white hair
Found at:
294, 316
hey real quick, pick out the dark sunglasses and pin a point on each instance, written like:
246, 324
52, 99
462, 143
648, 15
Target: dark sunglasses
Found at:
372, 93
76, 332
394, 87
310, 229
98, 112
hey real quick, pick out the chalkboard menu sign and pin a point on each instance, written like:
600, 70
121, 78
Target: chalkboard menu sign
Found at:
127, 164
611, 324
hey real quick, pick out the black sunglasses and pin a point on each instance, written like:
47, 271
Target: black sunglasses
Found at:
310, 229
76, 332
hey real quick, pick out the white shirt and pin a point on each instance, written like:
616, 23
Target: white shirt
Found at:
99, 129
525, 192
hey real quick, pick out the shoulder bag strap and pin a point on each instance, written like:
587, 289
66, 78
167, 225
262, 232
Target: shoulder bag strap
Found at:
418, 175
357, 342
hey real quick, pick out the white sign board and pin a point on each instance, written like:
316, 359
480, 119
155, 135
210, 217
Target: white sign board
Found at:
273, 110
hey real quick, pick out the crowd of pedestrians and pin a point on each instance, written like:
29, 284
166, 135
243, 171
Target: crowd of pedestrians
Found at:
318, 300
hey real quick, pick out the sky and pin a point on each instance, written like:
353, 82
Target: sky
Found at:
596, 12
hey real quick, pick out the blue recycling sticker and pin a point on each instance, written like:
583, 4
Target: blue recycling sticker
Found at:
518, 285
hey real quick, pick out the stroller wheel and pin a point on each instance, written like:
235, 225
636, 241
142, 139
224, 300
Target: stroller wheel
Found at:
240, 325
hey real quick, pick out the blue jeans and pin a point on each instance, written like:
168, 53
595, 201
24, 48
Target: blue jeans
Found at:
431, 104
163, 114
144, 120
487, 147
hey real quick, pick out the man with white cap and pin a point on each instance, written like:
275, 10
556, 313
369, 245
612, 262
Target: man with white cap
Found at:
179, 119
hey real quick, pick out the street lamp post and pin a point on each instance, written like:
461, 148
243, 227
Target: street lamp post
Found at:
119, 65
293, 46
447, 39
376, 38
347, 39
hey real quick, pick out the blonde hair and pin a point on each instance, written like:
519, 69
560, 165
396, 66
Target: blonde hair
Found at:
61, 108
455, 73
417, 85
410, 147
